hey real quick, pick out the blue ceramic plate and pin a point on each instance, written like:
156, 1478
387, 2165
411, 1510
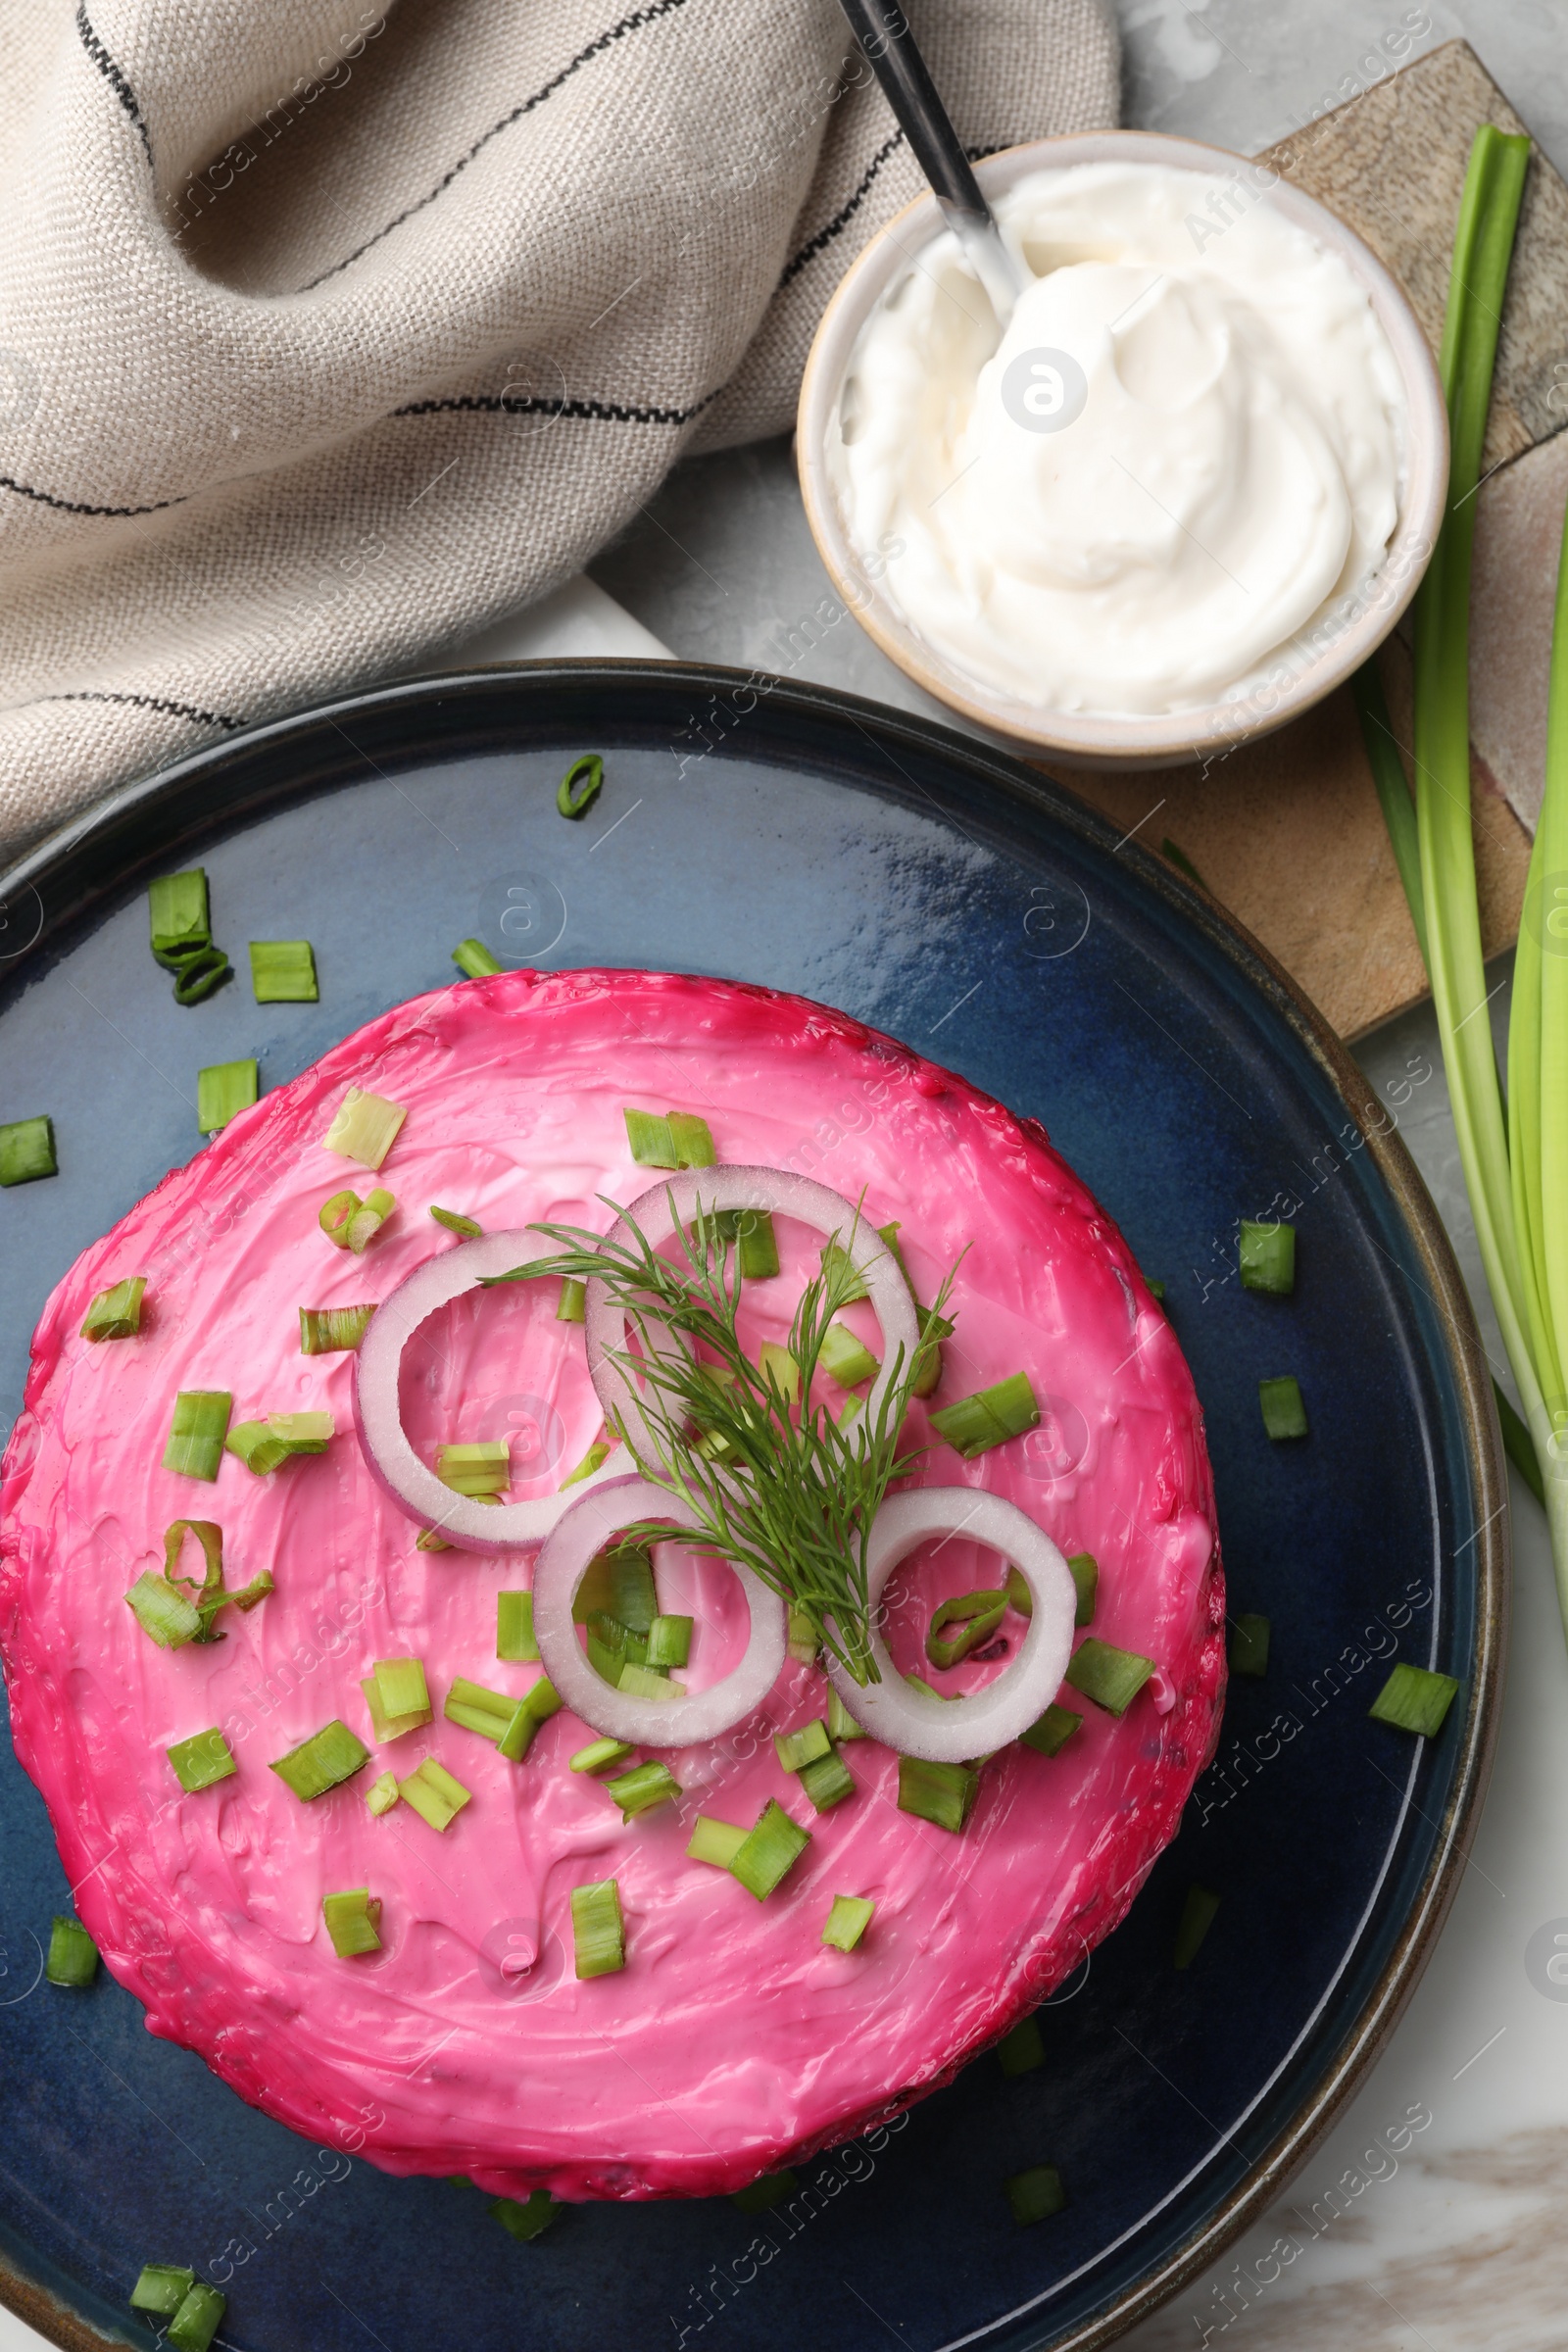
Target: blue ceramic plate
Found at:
955, 898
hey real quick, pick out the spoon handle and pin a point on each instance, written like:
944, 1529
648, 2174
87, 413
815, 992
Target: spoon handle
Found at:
883, 32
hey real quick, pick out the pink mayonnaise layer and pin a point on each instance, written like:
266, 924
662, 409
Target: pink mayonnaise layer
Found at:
733, 2041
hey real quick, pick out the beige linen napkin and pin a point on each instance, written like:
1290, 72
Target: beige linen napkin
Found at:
326, 336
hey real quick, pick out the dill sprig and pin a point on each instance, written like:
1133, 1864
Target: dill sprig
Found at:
772, 1481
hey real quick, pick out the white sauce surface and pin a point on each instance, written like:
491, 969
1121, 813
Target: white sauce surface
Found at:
1235, 467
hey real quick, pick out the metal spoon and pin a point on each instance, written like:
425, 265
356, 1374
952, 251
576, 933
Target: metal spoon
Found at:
883, 32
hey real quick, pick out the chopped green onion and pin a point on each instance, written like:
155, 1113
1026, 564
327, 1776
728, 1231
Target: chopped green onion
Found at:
203, 1759
478, 1709
162, 2287
780, 1371
827, 1780
73, 1956
1112, 1678
481, 1469
598, 1452
542, 1702
847, 1920
752, 1232
1198, 1916
197, 1431
283, 972
434, 1794
222, 1090
715, 1842
263, 1445
841, 1723
572, 1305
580, 785
943, 1793
934, 1329
1022, 2050
1050, 1734
201, 974
475, 960
974, 1424
798, 1749
401, 1686
514, 1641
606, 1661
197, 2321
336, 1214
27, 1150
353, 1921
618, 1583
180, 920
332, 1330
1036, 2194
116, 1313
648, 1682
1413, 1699
386, 1726
761, 2196
382, 1795
843, 1358
598, 1929
669, 1641
526, 2222
319, 1763
163, 1611
365, 1222
768, 1851
643, 1786
651, 1144
429, 1540
600, 1755
468, 1229
1248, 1647
693, 1140
979, 1614
1267, 1255
917, 1681
1284, 1413
802, 1643
845, 1284
364, 1127
1086, 1578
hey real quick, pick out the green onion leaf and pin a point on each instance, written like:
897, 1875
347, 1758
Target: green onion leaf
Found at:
1050, 1734
752, 1232
1112, 1678
198, 2319
468, 1229
202, 1760
580, 785
224, 1090
847, 1920
1284, 1413
542, 1702
390, 1727
327, 1757
646, 1784
796, 1749
1268, 1254
802, 1642
526, 2222
364, 1127
1198, 1916
651, 1144
1413, 1699
618, 1583
178, 917
974, 1424
116, 1313
478, 1709
841, 1723
1022, 2050
402, 1687
201, 975
843, 1357
434, 1794
262, 1446
73, 1955
943, 1793
600, 1755
353, 1921
572, 1305
332, 1330
514, 1640
162, 2287
163, 1611
693, 1141
781, 1373
598, 1929
1248, 1647
197, 1431
336, 1214
1036, 2194
481, 1469
827, 1780
1086, 1580
382, 1795
769, 1851
669, 1641
715, 1842
978, 1613
283, 972
27, 1150
475, 960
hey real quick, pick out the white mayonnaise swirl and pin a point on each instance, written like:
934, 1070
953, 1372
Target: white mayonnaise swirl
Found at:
1187, 444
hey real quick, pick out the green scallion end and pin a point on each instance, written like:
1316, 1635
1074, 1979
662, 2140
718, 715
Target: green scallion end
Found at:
1198, 1916
116, 1313
1023, 2049
669, 1641
847, 1920
466, 1229
796, 1749
1268, 1254
475, 960
844, 1360
645, 1785
222, 1090
198, 2319
943, 1793
283, 972
162, 2287
527, 2221
319, 1763
514, 1641
73, 1955
196, 1435
27, 1150
827, 1780
1414, 1700
841, 1723
436, 1795
1112, 1678
974, 1424
1050, 1734
715, 1842
572, 1305
600, 1755
768, 1850
1284, 1413
353, 1921
1248, 1647
598, 1929
978, 1614
1085, 1582
1036, 2194
202, 1760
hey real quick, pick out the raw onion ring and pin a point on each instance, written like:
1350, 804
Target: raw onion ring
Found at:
584, 1530
953, 1731
472, 1525
658, 1210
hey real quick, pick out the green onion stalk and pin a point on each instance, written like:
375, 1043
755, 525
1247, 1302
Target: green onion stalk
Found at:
1515, 1161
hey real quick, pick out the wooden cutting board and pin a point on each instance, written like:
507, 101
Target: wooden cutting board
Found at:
1287, 831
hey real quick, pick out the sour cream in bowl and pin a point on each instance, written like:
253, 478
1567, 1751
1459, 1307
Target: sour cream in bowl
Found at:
1184, 493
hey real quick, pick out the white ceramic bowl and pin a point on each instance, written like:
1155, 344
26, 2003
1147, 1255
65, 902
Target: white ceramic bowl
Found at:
1294, 682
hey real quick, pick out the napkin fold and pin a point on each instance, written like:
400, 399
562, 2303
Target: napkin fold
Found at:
327, 335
